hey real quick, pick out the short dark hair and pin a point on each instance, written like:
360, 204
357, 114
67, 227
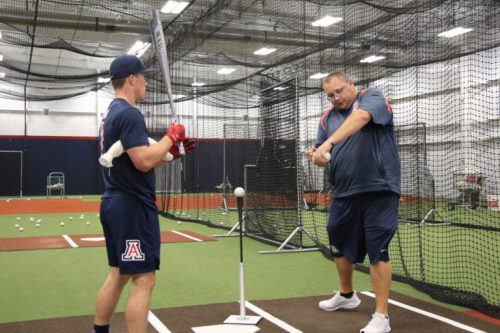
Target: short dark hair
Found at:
339, 75
119, 83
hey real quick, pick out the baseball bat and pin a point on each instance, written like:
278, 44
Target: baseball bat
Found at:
162, 58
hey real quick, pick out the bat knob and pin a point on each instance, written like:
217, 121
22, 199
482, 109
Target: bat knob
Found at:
105, 161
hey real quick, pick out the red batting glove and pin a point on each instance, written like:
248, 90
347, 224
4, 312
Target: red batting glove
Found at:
189, 145
176, 133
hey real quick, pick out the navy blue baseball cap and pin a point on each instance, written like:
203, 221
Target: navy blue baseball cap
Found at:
126, 65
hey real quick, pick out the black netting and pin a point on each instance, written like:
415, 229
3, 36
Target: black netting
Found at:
445, 95
273, 186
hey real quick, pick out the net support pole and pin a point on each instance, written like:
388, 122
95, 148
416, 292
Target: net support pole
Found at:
230, 233
281, 248
242, 318
299, 229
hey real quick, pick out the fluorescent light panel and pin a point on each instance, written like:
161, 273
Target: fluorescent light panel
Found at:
455, 32
139, 48
144, 49
318, 76
174, 7
1, 57
225, 71
2, 75
103, 79
198, 84
279, 88
263, 51
372, 58
326, 21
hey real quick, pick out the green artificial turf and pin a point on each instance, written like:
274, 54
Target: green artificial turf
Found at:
58, 283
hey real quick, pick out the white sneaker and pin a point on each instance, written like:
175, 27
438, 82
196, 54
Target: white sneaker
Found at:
378, 324
339, 302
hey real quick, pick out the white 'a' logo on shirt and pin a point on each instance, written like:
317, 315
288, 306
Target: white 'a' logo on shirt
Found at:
133, 251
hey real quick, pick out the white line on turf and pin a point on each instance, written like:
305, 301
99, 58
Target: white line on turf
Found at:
429, 314
271, 318
187, 236
70, 241
92, 239
157, 324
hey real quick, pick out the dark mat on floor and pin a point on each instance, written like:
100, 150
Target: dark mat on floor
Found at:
301, 313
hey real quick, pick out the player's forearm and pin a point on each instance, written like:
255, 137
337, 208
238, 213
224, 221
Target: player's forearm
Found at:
146, 158
156, 153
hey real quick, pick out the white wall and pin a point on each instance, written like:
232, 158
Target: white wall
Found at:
78, 116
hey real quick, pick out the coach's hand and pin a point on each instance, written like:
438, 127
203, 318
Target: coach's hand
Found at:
176, 133
189, 145
322, 155
310, 153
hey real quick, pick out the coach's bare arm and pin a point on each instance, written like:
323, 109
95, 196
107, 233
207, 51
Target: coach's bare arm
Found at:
355, 122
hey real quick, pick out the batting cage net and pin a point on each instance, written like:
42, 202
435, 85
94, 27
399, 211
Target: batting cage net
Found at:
417, 201
437, 61
240, 147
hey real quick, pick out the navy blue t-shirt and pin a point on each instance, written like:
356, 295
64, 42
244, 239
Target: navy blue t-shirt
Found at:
368, 160
126, 123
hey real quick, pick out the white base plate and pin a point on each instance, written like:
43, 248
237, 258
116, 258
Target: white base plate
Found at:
225, 328
247, 320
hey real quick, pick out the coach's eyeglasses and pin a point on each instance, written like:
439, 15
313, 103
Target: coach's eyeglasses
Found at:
337, 92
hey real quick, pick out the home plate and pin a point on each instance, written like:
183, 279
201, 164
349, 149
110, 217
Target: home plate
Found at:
225, 328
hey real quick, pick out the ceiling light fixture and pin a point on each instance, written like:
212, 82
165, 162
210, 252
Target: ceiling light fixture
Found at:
174, 7
2, 75
455, 32
197, 84
372, 58
318, 76
139, 48
225, 71
103, 79
326, 21
263, 51
144, 49
1, 57
280, 88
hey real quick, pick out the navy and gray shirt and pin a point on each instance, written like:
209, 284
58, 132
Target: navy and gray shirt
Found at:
368, 160
126, 123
